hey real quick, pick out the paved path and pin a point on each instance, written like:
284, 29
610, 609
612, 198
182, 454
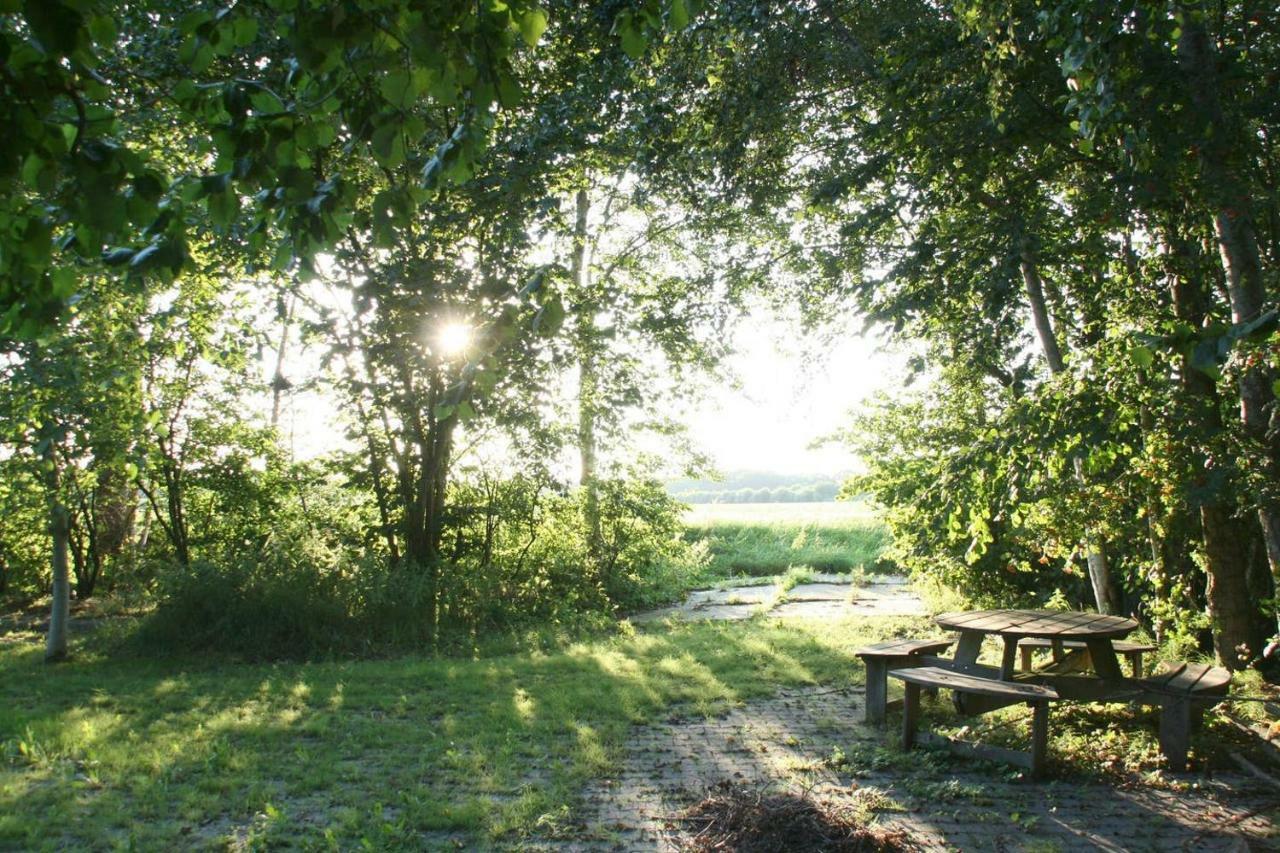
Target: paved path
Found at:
814, 738
827, 596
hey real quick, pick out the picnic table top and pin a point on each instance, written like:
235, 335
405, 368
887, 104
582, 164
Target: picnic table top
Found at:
1050, 624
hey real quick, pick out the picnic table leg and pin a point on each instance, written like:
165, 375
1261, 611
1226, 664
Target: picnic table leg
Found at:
1010, 656
967, 650
1059, 651
1039, 738
969, 646
877, 690
1135, 661
910, 714
1027, 653
1104, 658
1175, 731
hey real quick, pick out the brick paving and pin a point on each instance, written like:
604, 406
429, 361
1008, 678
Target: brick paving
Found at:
814, 739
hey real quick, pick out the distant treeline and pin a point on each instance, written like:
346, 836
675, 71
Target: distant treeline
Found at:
757, 487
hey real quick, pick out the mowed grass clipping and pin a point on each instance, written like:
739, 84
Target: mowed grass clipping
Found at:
756, 540
414, 753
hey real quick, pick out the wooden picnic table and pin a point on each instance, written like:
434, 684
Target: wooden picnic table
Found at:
1182, 692
1095, 630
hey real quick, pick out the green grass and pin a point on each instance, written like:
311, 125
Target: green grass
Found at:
404, 753
766, 539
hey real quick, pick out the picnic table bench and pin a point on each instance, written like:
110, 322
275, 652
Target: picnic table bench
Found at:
1028, 646
1184, 692
896, 654
1035, 695
1086, 668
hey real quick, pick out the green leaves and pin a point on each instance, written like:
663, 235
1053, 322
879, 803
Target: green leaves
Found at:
402, 87
57, 27
629, 31
678, 15
388, 144
533, 24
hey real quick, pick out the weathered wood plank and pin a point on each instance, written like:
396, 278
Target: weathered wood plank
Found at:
1008, 659
1039, 623
1103, 658
910, 715
1121, 646
1190, 678
877, 690
932, 676
1175, 731
969, 647
978, 669
892, 648
1039, 738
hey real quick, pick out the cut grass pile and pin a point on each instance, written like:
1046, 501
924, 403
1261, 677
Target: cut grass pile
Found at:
766, 539
747, 820
406, 753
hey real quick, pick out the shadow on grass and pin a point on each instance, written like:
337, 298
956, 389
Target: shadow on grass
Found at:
165, 753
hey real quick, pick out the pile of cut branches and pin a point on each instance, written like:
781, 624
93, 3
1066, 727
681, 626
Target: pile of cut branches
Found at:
754, 820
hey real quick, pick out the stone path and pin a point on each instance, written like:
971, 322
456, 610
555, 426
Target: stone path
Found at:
813, 739
826, 596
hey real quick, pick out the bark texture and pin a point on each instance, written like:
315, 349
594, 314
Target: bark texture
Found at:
60, 530
1223, 158
1226, 537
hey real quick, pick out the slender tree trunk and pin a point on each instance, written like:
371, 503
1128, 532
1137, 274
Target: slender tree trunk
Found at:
60, 531
376, 474
278, 381
1232, 609
1221, 151
436, 481
1105, 593
1161, 565
177, 526
588, 375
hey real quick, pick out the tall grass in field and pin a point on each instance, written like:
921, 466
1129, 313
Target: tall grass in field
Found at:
765, 539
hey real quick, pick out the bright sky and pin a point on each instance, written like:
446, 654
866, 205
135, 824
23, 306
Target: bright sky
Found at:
793, 389
791, 394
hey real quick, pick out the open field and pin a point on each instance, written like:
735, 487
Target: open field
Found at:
767, 539
824, 512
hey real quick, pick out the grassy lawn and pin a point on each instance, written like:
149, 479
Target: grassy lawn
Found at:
105, 752
766, 539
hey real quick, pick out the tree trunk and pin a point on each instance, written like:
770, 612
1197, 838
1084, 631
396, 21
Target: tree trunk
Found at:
1232, 609
588, 376
278, 381
1221, 150
1105, 593
60, 531
1161, 564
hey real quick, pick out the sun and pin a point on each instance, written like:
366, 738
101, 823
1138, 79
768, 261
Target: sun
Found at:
453, 339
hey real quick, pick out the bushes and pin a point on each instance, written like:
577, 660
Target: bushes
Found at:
255, 609
516, 557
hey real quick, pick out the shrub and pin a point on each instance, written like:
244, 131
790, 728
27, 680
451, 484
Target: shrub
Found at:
515, 557
256, 609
